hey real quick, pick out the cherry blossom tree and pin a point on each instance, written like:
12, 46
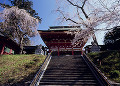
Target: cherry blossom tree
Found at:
19, 24
91, 15
22, 4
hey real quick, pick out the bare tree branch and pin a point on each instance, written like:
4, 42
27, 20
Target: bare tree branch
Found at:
72, 21
104, 6
74, 4
67, 18
86, 16
79, 15
84, 3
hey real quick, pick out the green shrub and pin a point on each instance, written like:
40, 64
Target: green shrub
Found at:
110, 63
114, 74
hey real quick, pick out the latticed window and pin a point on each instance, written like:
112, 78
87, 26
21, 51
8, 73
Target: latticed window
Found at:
7, 49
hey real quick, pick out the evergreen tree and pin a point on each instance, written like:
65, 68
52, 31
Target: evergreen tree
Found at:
112, 39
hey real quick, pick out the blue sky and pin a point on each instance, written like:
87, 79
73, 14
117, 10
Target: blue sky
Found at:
46, 10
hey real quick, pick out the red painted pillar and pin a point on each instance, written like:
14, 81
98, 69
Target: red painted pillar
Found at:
2, 50
82, 52
10, 51
49, 50
72, 52
58, 51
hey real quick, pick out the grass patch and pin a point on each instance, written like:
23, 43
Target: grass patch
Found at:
108, 62
19, 68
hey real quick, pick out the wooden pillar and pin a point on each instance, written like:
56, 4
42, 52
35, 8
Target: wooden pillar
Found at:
2, 49
58, 51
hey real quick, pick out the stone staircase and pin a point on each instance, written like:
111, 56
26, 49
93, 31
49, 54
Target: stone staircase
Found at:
68, 71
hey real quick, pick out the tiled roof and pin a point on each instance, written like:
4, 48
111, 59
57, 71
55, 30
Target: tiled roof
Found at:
64, 27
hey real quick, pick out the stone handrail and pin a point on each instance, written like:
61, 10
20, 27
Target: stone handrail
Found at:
41, 71
98, 74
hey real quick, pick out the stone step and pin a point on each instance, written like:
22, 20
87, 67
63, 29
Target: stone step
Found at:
68, 78
66, 68
60, 73
69, 83
68, 71
72, 69
66, 60
77, 75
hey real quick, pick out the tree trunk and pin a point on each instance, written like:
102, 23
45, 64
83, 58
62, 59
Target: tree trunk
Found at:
21, 45
95, 40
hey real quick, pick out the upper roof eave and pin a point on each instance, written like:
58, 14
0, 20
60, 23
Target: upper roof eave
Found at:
50, 30
60, 28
